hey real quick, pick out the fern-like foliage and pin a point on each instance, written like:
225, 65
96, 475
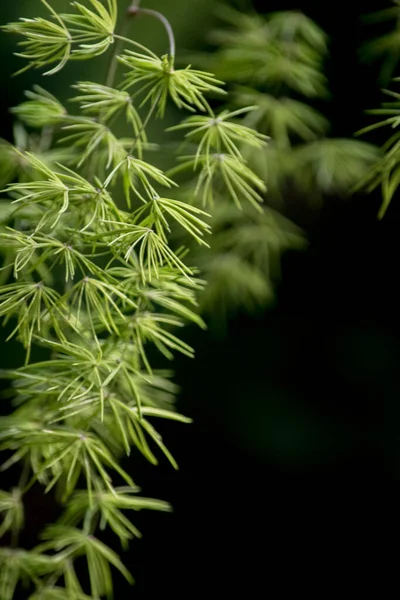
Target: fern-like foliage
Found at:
93, 278
386, 171
386, 47
274, 65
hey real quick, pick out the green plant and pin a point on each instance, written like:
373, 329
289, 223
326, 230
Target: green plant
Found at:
386, 171
93, 285
386, 47
274, 66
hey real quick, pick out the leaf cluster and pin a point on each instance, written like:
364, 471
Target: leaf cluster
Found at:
274, 65
96, 289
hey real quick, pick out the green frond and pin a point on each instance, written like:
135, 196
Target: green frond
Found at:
9, 163
381, 46
384, 173
75, 372
233, 284
102, 298
245, 31
109, 506
51, 158
169, 290
41, 109
261, 239
97, 288
254, 30
52, 194
17, 564
56, 191
297, 27
218, 134
385, 47
237, 19
282, 118
33, 250
14, 164
183, 214
74, 453
334, 165
150, 248
11, 512
239, 181
44, 42
36, 308
134, 171
165, 299
130, 426
90, 135
281, 51
144, 327
158, 77
391, 110
276, 164
80, 381
300, 76
105, 103
73, 543
92, 28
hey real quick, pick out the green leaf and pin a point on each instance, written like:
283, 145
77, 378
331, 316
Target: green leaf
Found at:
282, 118
159, 78
233, 284
36, 307
16, 565
335, 165
99, 557
134, 171
152, 250
44, 42
41, 110
109, 506
105, 103
91, 136
74, 453
92, 29
240, 182
11, 512
217, 134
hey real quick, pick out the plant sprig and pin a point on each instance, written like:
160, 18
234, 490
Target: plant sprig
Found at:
96, 284
93, 280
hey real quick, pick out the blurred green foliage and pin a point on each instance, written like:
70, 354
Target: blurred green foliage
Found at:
275, 63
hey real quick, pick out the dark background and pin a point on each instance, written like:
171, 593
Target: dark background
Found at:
288, 477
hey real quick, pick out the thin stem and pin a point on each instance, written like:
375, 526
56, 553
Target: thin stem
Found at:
112, 69
24, 475
146, 122
135, 10
30, 483
209, 109
128, 41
